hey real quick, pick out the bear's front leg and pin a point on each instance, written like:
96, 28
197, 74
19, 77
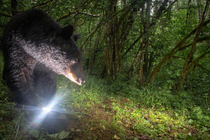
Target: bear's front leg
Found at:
25, 95
18, 75
45, 81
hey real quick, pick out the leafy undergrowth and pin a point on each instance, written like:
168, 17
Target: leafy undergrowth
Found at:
118, 111
122, 112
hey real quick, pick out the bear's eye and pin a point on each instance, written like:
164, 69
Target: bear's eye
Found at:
75, 60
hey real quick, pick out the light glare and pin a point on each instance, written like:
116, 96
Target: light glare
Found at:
46, 109
40, 117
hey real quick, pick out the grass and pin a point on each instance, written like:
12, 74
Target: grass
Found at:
129, 112
118, 111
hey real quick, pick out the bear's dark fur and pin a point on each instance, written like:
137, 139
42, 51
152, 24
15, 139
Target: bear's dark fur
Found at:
35, 49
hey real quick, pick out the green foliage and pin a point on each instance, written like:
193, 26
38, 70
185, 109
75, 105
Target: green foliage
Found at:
150, 111
155, 110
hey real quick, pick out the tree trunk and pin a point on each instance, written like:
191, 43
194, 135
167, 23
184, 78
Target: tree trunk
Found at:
115, 46
171, 53
188, 10
108, 56
95, 49
14, 7
110, 48
151, 58
133, 65
190, 55
199, 10
141, 70
146, 63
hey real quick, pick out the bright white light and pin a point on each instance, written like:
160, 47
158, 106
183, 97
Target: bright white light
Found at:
46, 109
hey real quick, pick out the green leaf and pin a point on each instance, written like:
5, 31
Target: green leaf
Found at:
63, 134
189, 138
26, 8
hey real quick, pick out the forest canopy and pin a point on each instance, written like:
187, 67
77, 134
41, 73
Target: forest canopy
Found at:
141, 39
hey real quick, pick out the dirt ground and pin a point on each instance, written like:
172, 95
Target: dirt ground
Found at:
89, 126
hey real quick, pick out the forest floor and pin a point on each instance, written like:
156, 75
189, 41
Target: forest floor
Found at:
99, 122
91, 125
116, 112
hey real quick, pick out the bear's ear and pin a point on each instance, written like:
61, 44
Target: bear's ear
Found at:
76, 37
67, 32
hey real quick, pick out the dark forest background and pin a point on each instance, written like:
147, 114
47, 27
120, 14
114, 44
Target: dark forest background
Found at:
147, 64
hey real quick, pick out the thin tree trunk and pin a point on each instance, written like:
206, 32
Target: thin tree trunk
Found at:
199, 10
135, 61
115, 45
188, 10
132, 45
151, 58
110, 52
108, 57
146, 63
14, 7
141, 48
92, 56
141, 70
190, 55
89, 42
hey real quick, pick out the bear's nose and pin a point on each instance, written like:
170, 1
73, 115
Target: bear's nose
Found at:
81, 80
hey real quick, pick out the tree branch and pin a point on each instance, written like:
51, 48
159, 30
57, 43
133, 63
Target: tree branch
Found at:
67, 15
169, 7
187, 67
22, 3
191, 65
171, 53
198, 65
132, 45
40, 4
80, 7
92, 15
6, 15
198, 40
93, 32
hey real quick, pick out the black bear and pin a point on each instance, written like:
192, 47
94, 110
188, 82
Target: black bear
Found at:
35, 49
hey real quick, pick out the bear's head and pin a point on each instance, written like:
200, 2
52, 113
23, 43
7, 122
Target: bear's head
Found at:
73, 67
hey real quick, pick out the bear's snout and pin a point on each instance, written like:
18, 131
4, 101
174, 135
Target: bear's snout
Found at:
77, 79
81, 80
